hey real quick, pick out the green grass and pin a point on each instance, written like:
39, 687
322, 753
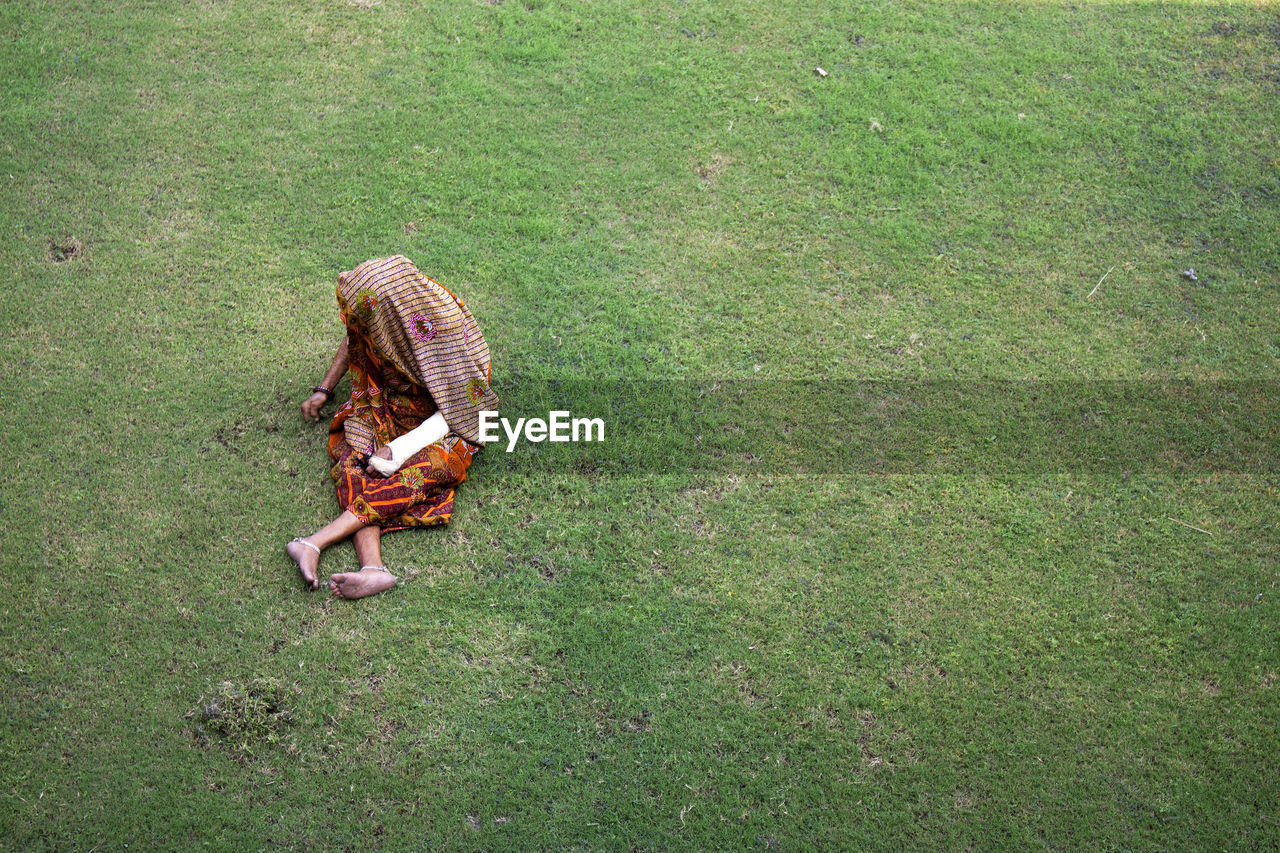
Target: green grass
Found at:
795, 612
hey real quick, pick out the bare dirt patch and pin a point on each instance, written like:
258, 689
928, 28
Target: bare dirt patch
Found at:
64, 249
709, 170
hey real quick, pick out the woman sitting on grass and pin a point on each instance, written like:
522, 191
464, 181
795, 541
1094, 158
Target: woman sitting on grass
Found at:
402, 443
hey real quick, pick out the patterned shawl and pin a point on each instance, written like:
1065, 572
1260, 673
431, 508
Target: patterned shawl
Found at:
425, 332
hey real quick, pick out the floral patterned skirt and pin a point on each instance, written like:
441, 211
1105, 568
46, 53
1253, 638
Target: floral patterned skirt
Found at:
420, 494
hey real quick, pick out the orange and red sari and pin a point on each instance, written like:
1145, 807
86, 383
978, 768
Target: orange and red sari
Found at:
443, 352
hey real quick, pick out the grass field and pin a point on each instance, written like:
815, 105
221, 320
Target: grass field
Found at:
937, 507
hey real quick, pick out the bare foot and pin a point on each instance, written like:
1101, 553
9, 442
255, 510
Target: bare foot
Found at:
307, 556
361, 584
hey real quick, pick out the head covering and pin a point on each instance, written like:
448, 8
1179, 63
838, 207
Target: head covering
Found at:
426, 332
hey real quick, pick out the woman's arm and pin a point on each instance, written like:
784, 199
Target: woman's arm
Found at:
311, 408
429, 431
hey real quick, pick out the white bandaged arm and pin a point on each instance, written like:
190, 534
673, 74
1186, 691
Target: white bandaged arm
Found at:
429, 431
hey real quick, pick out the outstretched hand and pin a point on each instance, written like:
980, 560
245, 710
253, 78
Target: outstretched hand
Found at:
312, 405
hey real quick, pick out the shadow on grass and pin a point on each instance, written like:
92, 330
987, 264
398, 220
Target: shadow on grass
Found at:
858, 427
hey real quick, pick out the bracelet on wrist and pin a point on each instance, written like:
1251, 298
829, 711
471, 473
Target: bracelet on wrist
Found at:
327, 392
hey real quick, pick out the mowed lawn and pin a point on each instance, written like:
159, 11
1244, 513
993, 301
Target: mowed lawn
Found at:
937, 345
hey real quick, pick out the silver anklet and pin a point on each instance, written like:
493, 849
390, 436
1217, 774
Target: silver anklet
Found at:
302, 541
